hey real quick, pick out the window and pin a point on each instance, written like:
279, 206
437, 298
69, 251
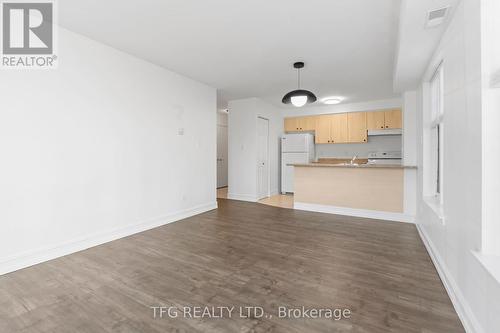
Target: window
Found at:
437, 134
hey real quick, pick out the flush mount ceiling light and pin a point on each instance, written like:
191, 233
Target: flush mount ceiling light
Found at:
332, 100
299, 97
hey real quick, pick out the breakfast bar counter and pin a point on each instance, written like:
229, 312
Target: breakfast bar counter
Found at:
345, 187
354, 165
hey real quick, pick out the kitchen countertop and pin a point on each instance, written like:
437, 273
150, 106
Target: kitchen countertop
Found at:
359, 166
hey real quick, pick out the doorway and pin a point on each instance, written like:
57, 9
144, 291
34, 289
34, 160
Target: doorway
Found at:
222, 150
263, 189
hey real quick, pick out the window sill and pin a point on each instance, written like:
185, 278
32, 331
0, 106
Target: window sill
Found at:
435, 205
490, 262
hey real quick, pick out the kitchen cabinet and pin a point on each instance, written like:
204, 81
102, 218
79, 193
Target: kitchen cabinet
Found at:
332, 128
340, 128
389, 119
300, 124
357, 132
307, 123
375, 120
291, 125
323, 129
349, 127
393, 119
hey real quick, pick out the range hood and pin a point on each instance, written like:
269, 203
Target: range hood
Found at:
385, 132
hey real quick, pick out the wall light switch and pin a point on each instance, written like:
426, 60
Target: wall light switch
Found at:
180, 131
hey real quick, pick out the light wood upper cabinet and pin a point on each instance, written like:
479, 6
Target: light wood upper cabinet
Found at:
393, 119
300, 124
339, 128
349, 127
331, 128
375, 120
357, 131
291, 124
323, 129
307, 123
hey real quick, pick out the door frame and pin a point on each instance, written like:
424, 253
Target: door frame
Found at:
268, 167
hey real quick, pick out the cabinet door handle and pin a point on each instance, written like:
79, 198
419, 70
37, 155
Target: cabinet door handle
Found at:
387, 127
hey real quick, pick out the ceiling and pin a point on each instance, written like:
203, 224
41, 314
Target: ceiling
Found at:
416, 43
246, 48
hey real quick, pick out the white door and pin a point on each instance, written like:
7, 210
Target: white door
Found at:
263, 158
221, 156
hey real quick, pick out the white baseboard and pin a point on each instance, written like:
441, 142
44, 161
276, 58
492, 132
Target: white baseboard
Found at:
371, 214
34, 257
469, 321
242, 197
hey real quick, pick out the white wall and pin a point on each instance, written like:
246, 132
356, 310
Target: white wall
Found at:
410, 151
91, 151
473, 290
491, 134
410, 128
348, 150
242, 128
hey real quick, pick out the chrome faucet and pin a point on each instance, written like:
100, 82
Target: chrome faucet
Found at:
354, 159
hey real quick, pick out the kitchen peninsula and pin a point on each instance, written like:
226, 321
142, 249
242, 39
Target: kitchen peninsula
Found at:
363, 190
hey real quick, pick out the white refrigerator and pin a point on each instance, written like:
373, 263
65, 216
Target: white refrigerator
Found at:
295, 148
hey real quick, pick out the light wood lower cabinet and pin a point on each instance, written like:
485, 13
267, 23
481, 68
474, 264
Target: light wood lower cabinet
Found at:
357, 127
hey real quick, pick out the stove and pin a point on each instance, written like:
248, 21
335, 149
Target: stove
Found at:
385, 157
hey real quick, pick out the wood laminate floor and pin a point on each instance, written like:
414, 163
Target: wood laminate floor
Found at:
222, 192
279, 200
242, 254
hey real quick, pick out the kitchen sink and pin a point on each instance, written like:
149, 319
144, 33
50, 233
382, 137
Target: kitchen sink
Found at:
350, 164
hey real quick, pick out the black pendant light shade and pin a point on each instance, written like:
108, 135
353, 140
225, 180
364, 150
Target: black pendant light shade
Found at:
311, 98
299, 97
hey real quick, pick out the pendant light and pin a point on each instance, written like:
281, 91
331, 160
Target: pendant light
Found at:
299, 97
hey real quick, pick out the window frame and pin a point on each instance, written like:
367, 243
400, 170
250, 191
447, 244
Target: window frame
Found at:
437, 128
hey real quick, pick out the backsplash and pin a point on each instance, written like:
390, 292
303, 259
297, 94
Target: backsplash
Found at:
375, 143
